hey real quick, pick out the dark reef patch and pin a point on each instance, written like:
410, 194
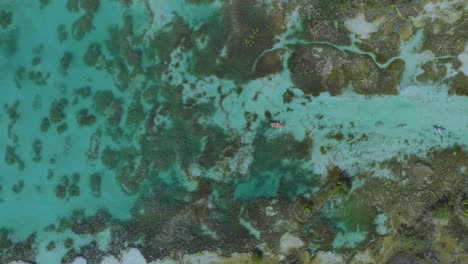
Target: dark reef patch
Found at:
91, 252
308, 70
95, 181
9, 41
269, 63
62, 128
367, 78
215, 31
102, 100
215, 146
92, 54
65, 62
163, 43
84, 118
6, 18
45, 124
62, 33
321, 21
12, 251
441, 39
110, 157
269, 176
43, 3
135, 111
90, 6
251, 35
90, 225
82, 26
57, 111
460, 84
50, 246
433, 72
61, 187
18, 187
234, 39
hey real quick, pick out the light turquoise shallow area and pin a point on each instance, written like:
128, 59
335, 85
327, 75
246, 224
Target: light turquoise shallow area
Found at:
37, 206
69, 148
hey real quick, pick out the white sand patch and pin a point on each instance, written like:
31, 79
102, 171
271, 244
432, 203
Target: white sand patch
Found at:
463, 57
110, 260
363, 258
348, 239
132, 256
270, 210
463, 169
447, 11
328, 257
195, 170
359, 26
79, 260
288, 242
381, 224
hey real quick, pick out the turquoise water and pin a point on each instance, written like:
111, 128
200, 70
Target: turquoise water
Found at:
139, 134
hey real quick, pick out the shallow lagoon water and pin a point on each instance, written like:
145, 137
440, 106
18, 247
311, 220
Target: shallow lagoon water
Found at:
393, 126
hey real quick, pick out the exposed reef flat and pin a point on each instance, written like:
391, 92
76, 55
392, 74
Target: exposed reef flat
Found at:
138, 131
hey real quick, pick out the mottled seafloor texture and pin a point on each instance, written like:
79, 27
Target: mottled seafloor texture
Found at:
138, 131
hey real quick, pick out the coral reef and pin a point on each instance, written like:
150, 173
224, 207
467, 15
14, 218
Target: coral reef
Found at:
367, 78
84, 118
318, 69
443, 39
89, 225
45, 124
321, 68
89, 6
170, 132
95, 181
62, 33
82, 26
37, 149
62, 128
5, 18
460, 84
269, 63
109, 157
65, 61
92, 54
23, 250
43, 3
56, 113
